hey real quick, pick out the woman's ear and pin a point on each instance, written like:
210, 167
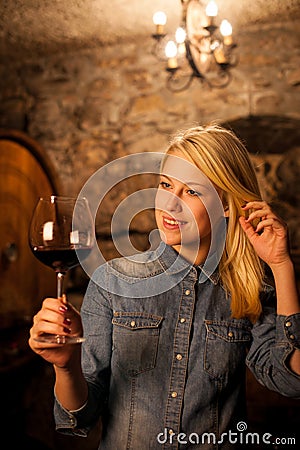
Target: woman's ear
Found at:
224, 200
226, 211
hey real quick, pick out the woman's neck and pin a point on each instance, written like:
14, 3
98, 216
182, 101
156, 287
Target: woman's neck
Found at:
191, 254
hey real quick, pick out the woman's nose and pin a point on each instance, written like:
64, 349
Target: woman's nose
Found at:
173, 203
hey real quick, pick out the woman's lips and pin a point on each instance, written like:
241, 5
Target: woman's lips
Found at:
172, 224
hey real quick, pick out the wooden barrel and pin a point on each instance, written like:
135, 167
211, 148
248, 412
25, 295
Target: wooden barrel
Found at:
25, 175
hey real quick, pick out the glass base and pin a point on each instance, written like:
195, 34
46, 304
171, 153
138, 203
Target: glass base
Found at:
59, 339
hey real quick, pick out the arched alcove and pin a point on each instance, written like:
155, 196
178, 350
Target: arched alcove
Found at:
267, 134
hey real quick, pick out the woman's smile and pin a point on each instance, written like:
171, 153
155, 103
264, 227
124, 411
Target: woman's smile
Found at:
172, 224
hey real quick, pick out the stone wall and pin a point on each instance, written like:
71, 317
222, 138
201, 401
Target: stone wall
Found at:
91, 107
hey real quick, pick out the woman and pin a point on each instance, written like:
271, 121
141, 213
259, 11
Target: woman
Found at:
168, 331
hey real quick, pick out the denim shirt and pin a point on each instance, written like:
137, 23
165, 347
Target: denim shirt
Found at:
166, 370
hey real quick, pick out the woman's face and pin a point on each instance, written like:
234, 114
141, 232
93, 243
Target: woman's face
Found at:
183, 201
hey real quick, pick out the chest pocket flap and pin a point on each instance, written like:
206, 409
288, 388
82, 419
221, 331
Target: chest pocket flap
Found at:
135, 320
226, 347
228, 331
135, 341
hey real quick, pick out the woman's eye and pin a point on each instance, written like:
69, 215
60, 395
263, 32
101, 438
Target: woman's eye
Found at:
164, 184
194, 193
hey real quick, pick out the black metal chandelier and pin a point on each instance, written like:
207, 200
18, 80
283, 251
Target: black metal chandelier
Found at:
209, 49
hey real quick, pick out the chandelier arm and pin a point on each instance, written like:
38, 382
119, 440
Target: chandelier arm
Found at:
221, 82
234, 60
158, 49
174, 85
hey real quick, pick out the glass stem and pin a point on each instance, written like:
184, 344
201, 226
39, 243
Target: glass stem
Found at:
60, 282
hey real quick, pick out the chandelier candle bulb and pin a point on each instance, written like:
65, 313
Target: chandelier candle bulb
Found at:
181, 49
226, 31
171, 54
220, 55
211, 11
180, 37
159, 20
172, 63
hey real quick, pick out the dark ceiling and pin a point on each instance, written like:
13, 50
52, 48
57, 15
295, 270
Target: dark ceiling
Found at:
31, 28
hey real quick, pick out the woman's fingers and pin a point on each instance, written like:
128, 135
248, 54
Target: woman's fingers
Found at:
273, 223
248, 228
260, 209
42, 326
54, 318
55, 304
266, 231
36, 333
256, 205
263, 213
53, 312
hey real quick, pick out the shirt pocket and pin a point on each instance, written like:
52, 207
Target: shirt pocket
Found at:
135, 341
226, 347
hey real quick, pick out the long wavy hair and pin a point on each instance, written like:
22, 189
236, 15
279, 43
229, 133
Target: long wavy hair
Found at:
224, 159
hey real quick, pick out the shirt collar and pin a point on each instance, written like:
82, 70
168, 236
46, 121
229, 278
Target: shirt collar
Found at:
209, 269
174, 263
214, 277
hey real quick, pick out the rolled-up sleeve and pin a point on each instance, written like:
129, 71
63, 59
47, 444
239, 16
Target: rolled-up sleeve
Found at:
291, 326
275, 337
67, 421
82, 420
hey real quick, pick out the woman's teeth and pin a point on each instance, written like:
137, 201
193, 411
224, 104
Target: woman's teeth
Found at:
172, 222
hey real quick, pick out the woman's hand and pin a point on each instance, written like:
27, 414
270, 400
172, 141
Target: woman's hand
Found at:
56, 317
270, 237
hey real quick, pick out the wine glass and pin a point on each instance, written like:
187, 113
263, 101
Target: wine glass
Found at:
61, 234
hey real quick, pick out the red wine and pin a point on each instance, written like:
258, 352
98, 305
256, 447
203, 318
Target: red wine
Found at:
61, 259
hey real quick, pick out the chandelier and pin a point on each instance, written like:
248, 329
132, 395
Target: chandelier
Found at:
208, 49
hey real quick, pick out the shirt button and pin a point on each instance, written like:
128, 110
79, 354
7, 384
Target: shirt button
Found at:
179, 357
174, 394
182, 320
132, 323
187, 292
288, 324
292, 336
230, 334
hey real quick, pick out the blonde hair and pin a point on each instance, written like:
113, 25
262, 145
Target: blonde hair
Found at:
224, 159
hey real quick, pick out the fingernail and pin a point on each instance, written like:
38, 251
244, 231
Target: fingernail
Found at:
67, 321
63, 308
67, 330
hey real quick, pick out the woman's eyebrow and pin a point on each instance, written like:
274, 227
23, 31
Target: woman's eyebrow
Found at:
165, 176
187, 183
194, 183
